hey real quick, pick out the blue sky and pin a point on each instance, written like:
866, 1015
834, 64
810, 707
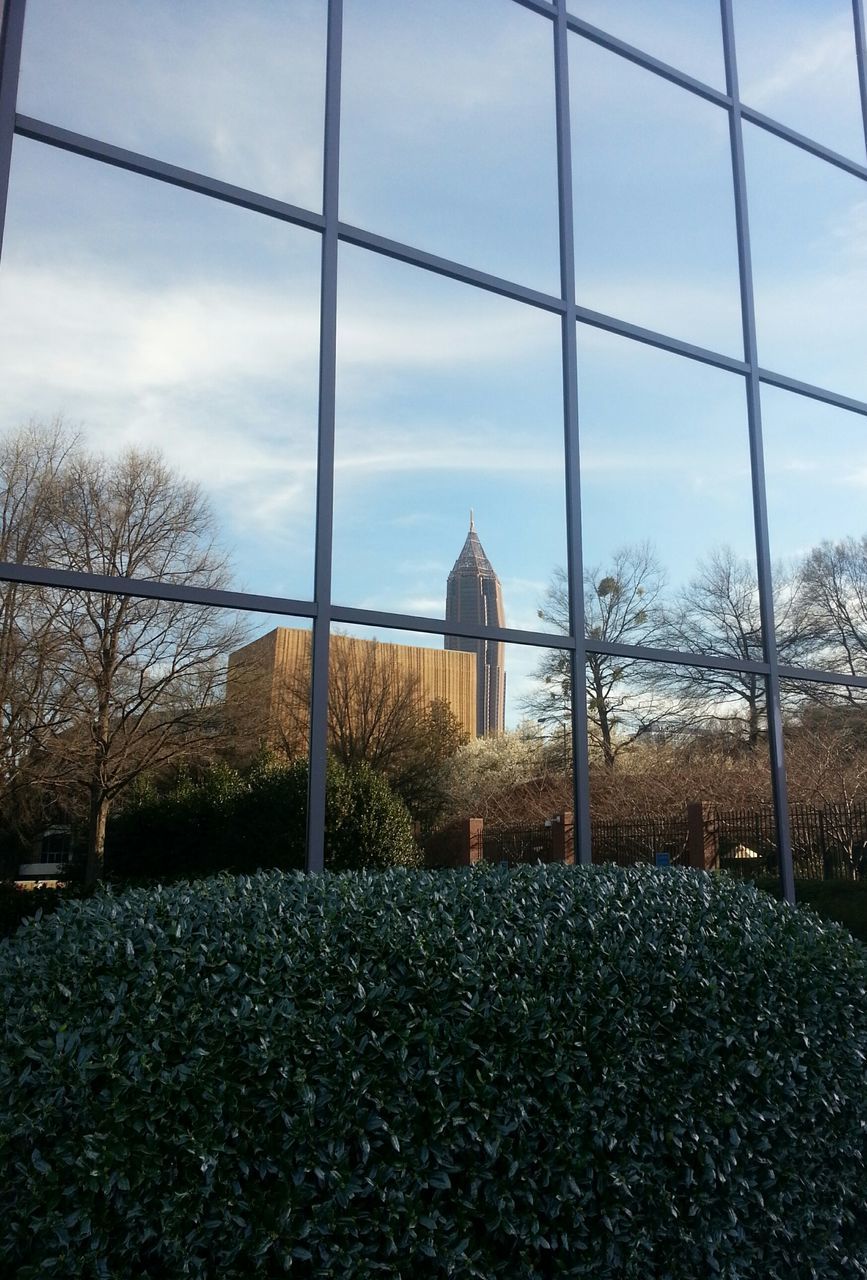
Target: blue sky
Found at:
145, 314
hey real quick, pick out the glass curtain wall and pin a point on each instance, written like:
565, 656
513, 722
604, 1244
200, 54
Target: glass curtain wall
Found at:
512, 349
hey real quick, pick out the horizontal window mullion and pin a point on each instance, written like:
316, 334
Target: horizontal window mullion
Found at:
646, 60
148, 166
72, 579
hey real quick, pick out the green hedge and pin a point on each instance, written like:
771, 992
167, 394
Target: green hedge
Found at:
226, 821
842, 900
17, 904
549, 1071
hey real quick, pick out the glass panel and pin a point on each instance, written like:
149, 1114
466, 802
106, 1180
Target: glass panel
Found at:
816, 470
797, 63
448, 137
233, 91
448, 399
654, 207
808, 227
176, 338
825, 734
666, 496
135, 740
684, 33
467, 740
679, 766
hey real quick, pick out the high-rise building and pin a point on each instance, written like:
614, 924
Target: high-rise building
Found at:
474, 596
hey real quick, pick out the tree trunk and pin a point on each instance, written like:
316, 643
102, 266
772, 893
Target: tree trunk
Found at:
603, 722
99, 805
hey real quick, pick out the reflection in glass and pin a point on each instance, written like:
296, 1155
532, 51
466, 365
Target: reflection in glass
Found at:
448, 132
133, 742
684, 33
403, 707
666, 495
679, 766
825, 734
797, 63
808, 228
174, 333
236, 92
449, 400
654, 207
816, 470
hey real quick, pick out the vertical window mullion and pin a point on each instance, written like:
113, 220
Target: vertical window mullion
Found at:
318, 745
754, 417
575, 561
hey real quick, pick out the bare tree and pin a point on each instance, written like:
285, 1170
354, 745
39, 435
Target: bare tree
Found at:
32, 462
141, 681
377, 713
826, 766
718, 614
832, 592
374, 705
622, 605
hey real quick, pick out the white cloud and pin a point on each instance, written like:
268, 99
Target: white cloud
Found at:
815, 55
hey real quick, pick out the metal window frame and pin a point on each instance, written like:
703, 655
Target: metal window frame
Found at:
322, 611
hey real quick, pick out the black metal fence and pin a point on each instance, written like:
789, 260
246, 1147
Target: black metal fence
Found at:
636, 840
827, 844
519, 844
830, 843
746, 841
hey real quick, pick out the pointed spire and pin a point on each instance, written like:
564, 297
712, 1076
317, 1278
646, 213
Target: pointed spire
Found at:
472, 558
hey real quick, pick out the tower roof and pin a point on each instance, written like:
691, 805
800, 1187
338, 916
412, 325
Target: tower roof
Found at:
472, 558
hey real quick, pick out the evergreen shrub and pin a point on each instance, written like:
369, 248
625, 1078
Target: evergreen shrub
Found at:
547, 1071
228, 821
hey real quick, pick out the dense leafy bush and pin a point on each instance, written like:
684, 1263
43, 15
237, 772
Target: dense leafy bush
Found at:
17, 904
550, 1071
224, 820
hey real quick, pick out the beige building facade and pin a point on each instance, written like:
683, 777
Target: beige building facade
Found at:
370, 683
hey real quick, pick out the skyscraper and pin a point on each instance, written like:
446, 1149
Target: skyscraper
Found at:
474, 596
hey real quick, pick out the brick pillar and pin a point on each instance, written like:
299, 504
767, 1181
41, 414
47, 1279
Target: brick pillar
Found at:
702, 846
563, 833
459, 845
474, 841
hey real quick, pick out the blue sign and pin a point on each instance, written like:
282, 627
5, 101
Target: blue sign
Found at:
662, 859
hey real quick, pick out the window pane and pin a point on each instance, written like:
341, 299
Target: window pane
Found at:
132, 733
679, 765
654, 208
797, 63
448, 137
816, 470
684, 33
666, 496
409, 709
166, 330
808, 227
449, 399
825, 733
234, 91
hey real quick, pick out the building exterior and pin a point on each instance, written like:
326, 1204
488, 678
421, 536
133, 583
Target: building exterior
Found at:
373, 684
615, 200
474, 596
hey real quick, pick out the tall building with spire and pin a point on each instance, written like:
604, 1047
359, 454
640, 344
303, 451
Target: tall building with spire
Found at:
474, 596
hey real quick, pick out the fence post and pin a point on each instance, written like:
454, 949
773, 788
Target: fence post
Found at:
475, 842
701, 841
563, 838
459, 845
